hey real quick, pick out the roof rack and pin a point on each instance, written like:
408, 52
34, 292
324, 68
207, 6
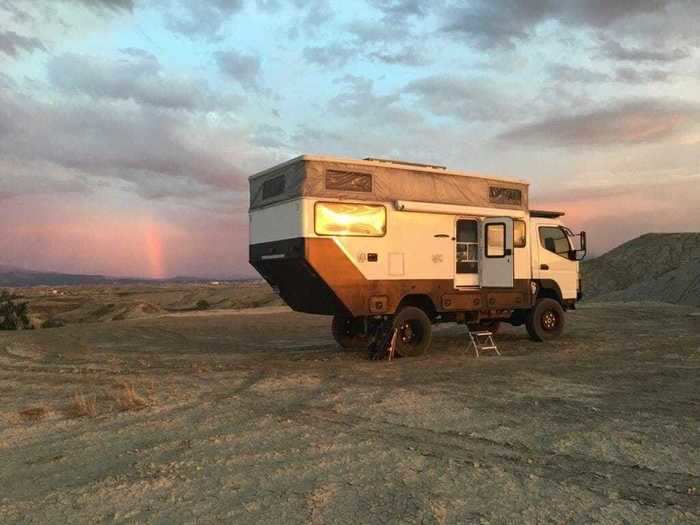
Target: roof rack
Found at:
546, 214
390, 161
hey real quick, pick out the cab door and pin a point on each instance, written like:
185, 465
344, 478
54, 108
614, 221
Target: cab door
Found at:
497, 252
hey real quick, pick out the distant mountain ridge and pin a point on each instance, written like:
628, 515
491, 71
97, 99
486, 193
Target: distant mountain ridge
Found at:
662, 267
14, 277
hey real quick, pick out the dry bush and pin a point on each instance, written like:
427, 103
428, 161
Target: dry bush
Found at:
34, 413
83, 405
128, 399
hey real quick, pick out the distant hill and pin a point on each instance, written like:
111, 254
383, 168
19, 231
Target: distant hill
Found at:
11, 276
661, 267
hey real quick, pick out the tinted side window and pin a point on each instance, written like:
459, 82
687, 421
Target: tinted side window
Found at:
273, 187
554, 240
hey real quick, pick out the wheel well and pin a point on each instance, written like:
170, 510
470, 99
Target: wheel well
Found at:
550, 289
424, 302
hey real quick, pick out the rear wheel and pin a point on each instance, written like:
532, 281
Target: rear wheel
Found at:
545, 320
414, 331
347, 332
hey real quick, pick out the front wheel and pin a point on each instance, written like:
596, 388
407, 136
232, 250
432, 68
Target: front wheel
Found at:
545, 321
414, 332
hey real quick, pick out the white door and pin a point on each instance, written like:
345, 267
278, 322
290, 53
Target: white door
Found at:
497, 252
466, 252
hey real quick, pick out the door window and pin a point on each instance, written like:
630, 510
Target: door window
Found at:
495, 240
467, 246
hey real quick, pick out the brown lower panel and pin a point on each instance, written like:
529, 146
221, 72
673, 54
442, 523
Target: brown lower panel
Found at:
371, 297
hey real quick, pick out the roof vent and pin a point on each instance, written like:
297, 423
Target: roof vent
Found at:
390, 161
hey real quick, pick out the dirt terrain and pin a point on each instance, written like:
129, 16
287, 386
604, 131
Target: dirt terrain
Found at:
101, 303
256, 416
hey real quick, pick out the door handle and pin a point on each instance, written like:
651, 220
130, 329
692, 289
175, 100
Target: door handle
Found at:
441, 236
544, 267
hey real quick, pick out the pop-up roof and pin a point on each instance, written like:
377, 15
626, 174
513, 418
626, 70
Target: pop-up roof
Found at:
381, 180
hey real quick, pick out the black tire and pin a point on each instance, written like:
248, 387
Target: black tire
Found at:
486, 325
545, 321
415, 332
346, 332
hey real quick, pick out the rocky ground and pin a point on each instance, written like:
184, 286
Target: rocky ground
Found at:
256, 416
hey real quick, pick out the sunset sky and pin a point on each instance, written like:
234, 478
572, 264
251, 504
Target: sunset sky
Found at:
128, 127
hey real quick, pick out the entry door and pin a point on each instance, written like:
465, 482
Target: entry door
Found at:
466, 252
497, 252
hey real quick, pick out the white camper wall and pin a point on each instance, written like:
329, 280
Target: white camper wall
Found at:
278, 222
409, 250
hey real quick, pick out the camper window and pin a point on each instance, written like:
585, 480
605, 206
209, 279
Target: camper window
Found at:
273, 187
342, 218
555, 240
348, 181
519, 234
496, 240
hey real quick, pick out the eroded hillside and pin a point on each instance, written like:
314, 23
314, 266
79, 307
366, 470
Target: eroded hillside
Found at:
654, 267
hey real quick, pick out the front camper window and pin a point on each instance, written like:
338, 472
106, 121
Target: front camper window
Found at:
341, 218
467, 247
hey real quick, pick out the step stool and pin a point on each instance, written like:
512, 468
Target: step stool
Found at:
481, 341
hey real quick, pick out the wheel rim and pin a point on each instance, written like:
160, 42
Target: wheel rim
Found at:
550, 320
410, 333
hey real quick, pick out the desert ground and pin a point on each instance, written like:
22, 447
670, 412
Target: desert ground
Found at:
255, 416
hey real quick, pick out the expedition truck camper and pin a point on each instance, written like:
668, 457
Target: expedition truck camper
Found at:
388, 246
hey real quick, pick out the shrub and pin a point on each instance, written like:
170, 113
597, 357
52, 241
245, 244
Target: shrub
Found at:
13, 316
202, 304
128, 399
83, 405
52, 323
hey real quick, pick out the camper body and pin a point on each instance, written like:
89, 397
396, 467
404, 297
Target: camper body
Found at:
371, 241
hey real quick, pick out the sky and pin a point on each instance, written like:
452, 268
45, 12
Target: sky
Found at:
128, 128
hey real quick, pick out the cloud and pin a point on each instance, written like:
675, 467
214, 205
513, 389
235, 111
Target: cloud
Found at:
407, 56
401, 9
127, 5
463, 98
358, 101
613, 50
567, 74
636, 76
201, 18
570, 74
642, 121
147, 151
134, 75
502, 23
241, 67
333, 55
12, 43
